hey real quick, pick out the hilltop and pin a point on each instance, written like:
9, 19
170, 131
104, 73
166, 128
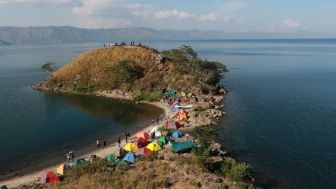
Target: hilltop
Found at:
136, 70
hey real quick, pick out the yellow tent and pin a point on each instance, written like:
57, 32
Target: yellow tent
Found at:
154, 146
131, 147
60, 169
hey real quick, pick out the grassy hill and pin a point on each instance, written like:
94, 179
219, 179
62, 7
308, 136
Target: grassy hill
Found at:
137, 69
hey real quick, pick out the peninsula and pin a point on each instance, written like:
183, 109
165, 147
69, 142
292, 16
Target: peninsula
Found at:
179, 151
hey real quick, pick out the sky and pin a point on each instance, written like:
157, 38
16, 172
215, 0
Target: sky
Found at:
226, 15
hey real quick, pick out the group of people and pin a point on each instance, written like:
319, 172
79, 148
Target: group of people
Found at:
70, 156
121, 44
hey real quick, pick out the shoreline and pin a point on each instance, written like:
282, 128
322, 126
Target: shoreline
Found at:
102, 152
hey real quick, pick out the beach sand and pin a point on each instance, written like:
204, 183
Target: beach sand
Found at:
100, 152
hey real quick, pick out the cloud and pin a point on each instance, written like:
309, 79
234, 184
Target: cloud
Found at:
289, 24
39, 2
110, 13
211, 17
164, 14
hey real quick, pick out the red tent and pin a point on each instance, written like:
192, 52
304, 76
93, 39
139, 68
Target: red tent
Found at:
144, 152
49, 177
142, 141
171, 124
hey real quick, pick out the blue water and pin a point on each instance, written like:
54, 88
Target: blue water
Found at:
37, 129
281, 109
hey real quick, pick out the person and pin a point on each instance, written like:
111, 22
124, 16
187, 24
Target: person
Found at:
126, 136
72, 155
187, 135
153, 121
158, 120
104, 143
119, 141
161, 117
93, 157
98, 143
68, 157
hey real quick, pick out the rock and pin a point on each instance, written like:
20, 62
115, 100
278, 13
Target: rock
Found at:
222, 91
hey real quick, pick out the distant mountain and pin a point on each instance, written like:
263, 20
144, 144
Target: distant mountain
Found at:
2, 42
66, 34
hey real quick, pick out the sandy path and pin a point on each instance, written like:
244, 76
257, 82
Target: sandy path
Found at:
101, 152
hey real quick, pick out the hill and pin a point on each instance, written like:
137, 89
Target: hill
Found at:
2, 42
136, 70
66, 34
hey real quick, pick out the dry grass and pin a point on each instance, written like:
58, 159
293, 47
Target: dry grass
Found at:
94, 70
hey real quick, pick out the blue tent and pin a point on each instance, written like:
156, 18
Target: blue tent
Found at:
182, 146
177, 134
130, 157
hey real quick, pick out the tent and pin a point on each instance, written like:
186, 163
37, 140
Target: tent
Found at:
144, 135
110, 158
154, 146
62, 168
144, 152
49, 177
171, 124
183, 94
78, 162
142, 141
177, 134
182, 115
131, 147
163, 140
182, 146
130, 157
157, 134
154, 130
119, 162
171, 92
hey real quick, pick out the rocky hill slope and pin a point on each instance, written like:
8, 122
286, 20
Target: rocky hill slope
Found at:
136, 70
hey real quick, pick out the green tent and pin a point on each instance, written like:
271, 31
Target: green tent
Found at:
182, 146
163, 140
183, 94
78, 162
110, 157
171, 92
120, 162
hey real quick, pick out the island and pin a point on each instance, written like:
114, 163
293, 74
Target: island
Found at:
178, 151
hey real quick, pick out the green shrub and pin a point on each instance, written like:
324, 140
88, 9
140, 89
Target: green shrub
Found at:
124, 72
149, 96
235, 171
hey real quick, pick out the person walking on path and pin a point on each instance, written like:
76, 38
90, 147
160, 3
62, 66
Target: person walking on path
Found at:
119, 141
104, 143
98, 143
161, 117
126, 136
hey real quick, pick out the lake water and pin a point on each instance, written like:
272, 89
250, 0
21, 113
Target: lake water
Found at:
281, 109
37, 129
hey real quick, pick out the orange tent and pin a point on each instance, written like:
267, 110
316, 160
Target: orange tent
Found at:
182, 115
